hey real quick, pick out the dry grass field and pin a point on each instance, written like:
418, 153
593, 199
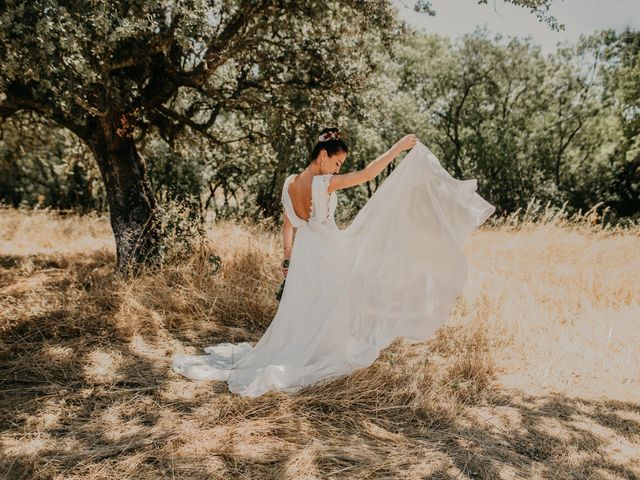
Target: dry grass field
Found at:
535, 375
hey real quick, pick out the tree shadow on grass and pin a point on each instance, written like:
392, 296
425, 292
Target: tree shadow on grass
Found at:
79, 398
550, 436
79, 387
57, 327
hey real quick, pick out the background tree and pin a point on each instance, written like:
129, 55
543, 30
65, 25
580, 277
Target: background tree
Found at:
622, 54
524, 124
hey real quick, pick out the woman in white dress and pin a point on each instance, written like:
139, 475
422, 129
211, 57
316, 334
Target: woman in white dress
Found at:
395, 271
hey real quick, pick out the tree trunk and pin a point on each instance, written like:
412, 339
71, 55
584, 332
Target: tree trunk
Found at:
132, 204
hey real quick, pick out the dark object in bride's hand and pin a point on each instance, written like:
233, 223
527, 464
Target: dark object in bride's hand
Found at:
285, 265
280, 290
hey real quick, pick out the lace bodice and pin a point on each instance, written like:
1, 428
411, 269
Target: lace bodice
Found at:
323, 204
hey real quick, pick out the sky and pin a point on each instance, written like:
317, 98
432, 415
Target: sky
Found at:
457, 17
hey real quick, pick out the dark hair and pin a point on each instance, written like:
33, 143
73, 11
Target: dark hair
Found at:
332, 146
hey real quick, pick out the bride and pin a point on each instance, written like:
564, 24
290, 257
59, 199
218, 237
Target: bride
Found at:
396, 270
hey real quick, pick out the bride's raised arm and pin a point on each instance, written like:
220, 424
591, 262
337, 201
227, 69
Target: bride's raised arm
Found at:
346, 180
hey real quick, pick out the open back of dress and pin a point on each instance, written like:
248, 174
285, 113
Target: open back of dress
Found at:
396, 270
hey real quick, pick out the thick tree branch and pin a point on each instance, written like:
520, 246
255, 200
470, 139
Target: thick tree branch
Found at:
19, 98
231, 36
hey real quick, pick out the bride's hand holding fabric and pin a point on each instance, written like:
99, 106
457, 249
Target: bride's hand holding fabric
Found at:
407, 142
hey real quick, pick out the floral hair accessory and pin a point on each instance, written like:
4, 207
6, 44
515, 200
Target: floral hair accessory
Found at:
332, 135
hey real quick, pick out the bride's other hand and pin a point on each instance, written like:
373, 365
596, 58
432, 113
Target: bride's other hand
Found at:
284, 267
407, 142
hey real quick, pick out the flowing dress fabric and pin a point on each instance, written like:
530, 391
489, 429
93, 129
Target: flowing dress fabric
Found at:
395, 271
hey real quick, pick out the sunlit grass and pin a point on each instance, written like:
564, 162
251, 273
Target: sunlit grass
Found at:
535, 375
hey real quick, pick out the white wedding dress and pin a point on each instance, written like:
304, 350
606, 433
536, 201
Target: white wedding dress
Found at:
396, 270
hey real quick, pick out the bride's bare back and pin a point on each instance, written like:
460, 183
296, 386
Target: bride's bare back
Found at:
300, 193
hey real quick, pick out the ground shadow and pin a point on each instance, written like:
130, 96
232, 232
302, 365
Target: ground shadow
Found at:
126, 423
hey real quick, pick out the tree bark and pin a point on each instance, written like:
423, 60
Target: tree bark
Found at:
132, 203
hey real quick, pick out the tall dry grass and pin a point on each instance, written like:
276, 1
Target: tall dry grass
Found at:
536, 374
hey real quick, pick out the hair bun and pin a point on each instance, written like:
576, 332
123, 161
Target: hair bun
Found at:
332, 135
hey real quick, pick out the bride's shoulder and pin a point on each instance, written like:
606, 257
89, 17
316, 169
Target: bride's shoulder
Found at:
289, 178
325, 180
322, 178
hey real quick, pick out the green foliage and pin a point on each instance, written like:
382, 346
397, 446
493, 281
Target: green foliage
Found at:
622, 76
224, 100
175, 173
525, 125
181, 234
180, 66
43, 165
